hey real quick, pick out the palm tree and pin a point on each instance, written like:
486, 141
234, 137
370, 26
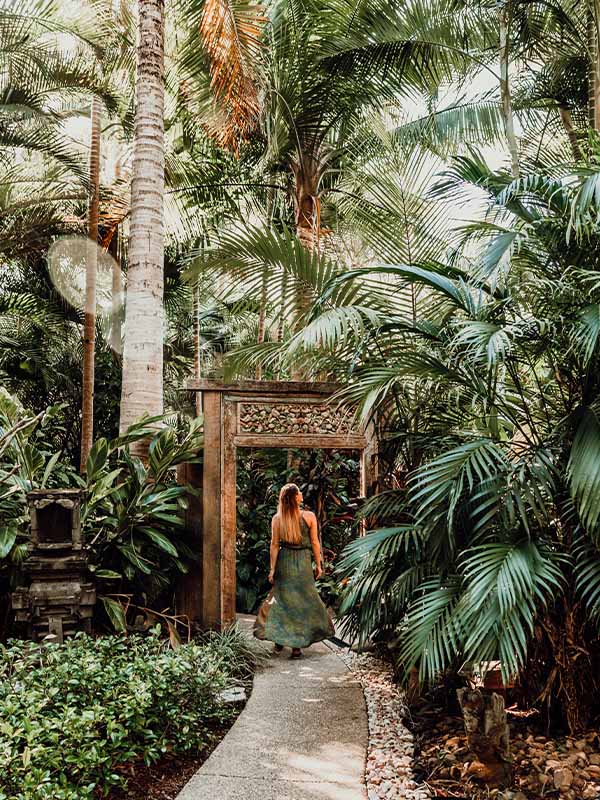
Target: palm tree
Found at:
142, 391
89, 325
320, 70
489, 545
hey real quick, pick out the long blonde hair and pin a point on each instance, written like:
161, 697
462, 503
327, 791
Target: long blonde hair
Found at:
288, 512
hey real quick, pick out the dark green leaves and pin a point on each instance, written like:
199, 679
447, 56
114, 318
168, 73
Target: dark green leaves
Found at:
584, 468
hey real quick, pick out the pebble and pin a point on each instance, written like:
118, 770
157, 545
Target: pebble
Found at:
567, 768
391, 747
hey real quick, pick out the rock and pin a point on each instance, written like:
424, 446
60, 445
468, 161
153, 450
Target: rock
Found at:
551, 763
593, 771
563, 778
595, 759
581, 744
589, 793
236, 694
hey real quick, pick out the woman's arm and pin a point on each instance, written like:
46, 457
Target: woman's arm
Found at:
274, 549
313, 527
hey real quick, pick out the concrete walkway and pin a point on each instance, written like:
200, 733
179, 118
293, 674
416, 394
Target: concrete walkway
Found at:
303, 734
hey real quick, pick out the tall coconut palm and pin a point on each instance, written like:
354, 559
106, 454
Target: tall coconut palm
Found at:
142, 391
89, 325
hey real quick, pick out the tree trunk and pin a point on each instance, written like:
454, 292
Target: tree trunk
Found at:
263, 291
261, 322
306, 196
507, 111
487, 736
308, 225
116, 295
142, 391
89, 324
593, 24
197, 368
567, 121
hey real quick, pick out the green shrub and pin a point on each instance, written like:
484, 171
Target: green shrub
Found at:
72, 714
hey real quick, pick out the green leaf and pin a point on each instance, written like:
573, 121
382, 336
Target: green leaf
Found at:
134, 557
115, 613
159, 539
583, 469
8, 536
52, 461
96, 459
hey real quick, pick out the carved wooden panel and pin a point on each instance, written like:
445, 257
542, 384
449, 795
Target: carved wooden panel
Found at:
295, 418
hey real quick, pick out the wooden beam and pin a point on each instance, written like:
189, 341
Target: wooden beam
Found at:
312, 441
211, 512
264, 387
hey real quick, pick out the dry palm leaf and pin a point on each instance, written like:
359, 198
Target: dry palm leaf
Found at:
231, 33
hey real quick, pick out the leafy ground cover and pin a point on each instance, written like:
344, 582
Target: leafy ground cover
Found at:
76, 718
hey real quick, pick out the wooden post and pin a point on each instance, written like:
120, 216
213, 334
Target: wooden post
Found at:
229, 513
211, 511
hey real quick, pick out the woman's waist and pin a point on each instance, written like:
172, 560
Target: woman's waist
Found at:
290, 546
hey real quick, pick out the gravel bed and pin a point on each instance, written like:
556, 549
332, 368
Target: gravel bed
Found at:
391, 748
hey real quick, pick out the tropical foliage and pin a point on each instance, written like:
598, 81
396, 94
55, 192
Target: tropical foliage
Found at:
400, 196
74, 720
132, 514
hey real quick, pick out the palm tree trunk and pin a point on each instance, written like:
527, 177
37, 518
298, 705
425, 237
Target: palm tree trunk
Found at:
307, 202
593, 23
261, 322
507, 111
197, 366
142, 391
89, 324
308, 225
263, 289
567, 121
116, 294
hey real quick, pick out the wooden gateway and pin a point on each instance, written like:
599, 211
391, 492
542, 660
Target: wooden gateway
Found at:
260, 414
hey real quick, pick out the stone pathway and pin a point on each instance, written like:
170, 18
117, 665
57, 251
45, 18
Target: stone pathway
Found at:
303, 734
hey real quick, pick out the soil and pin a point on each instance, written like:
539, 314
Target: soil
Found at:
164, 779
553, 768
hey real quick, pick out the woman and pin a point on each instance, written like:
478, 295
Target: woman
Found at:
293, 614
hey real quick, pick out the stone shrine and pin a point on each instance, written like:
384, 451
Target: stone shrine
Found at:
60, 598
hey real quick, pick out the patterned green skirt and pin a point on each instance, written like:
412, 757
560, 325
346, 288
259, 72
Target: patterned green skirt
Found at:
293, 614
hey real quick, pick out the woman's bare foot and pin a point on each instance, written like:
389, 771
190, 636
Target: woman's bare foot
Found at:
296, 652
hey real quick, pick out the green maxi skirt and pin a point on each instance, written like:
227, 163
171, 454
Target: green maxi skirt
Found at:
293, 613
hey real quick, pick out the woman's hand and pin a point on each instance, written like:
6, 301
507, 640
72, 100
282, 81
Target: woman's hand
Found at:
318, 572
271, 577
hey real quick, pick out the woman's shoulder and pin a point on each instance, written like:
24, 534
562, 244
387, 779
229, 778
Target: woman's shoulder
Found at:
307, 515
